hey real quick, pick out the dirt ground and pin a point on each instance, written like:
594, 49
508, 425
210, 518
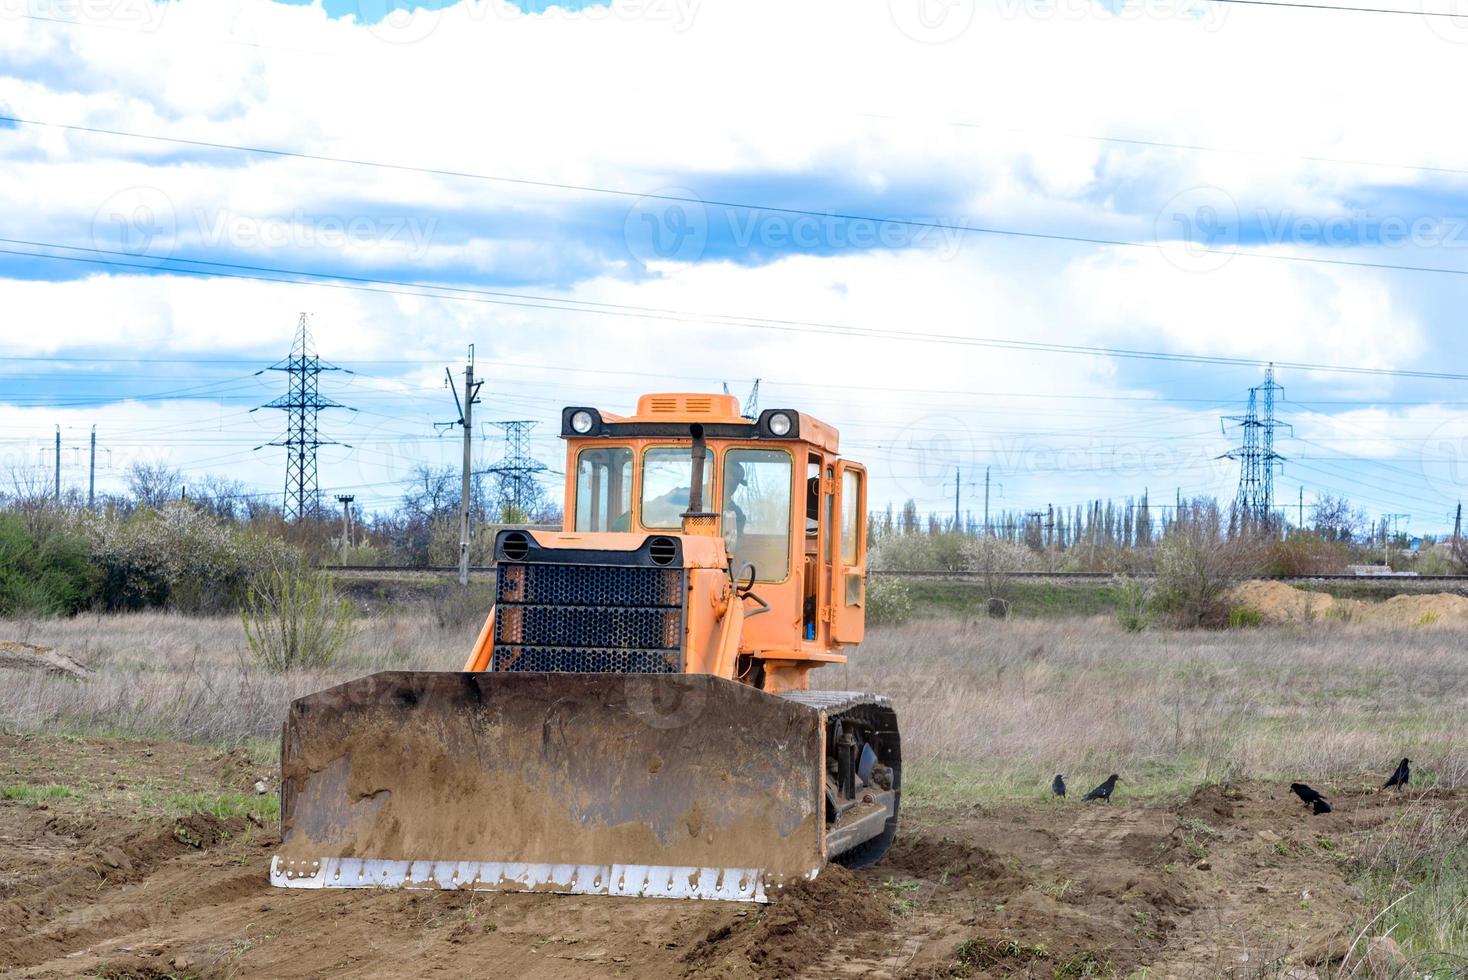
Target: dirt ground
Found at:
1231, 882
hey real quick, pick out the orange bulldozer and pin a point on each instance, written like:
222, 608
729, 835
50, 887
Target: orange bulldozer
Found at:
636, 716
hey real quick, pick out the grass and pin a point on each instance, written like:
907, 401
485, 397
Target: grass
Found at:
993, 709
1416, 872
36, 794
191, 678
1028, 599
262, 807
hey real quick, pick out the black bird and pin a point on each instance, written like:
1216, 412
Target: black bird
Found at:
1311, 798
1401, 777
1058, 787
1103, 792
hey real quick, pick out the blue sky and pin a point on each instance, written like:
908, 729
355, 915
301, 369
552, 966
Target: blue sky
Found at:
682, 197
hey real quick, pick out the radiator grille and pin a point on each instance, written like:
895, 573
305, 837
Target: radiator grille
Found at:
588, 618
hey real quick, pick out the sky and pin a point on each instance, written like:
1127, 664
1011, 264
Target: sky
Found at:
1054, 241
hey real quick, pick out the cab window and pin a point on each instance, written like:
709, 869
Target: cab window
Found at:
756, 510
603, 489
665, 481
852, 521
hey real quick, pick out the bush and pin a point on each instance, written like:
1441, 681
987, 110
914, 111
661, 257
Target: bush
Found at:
889, 601
42, 575
293, 619
180, 557
1196, 566
1308, 553
1242, 617
459, 607
1134, 610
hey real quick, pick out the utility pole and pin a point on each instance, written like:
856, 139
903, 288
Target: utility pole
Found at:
957, 484
466, 422
1387, 542
1302, 507
58, 464
345, 499
92, 472
1458, 522
986, 500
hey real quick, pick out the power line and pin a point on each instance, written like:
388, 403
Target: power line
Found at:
1360, 10
531, 301
1193, 247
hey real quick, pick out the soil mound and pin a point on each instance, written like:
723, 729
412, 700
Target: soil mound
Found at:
799, 927
1281, 604
946, 862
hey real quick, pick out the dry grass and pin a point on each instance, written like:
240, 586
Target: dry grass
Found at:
192, 678
1000, 707
987, 707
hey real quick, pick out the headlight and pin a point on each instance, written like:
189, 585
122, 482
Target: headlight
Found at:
780, 424
582, 421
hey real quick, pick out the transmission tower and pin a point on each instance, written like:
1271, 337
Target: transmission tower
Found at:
1254, 503
751, 404
516, 470
302, 402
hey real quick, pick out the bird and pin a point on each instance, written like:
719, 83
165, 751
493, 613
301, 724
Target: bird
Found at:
1103, 792
1401, 777
1058, 787
1311, 798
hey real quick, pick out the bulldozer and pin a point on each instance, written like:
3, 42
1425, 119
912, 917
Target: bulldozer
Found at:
635, 717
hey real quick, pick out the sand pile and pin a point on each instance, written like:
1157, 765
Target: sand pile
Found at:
1280, 603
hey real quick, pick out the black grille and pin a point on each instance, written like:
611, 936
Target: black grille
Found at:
588, 618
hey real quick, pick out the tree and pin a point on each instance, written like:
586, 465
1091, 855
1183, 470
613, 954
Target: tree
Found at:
1335, 519
154, 484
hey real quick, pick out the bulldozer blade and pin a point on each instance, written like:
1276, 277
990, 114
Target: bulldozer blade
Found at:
677, 786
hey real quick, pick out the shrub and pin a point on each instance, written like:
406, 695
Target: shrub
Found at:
45, 574
459, 607
1196, 566
889, 601
1134, 611
180, 557
293, 618
1242, 617
1308, 553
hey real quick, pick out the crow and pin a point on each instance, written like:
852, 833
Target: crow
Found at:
1311, 798
1103, 792
1058, 787
1401, 777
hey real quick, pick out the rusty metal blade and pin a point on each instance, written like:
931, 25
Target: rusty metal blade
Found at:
671, 785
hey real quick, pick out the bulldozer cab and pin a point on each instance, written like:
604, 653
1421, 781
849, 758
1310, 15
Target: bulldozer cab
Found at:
790, 512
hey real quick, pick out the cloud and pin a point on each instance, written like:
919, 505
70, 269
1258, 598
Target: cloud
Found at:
1064, 118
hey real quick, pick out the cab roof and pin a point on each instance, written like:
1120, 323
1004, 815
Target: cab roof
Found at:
670, 415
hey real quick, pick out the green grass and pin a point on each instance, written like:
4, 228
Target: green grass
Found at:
36, 794
265, 807
1418, 880
946, 785
1028, 599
